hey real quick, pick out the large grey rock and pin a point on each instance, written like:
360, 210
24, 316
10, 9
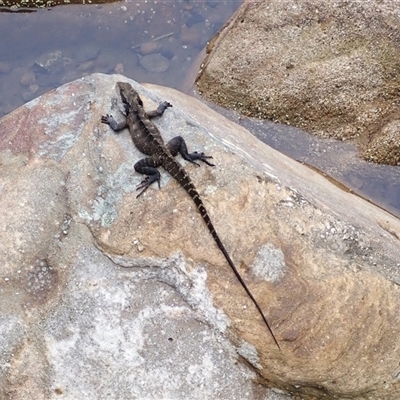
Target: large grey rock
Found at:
330, 68
108, 296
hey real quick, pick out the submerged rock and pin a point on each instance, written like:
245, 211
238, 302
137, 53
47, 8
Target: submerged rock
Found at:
154, 63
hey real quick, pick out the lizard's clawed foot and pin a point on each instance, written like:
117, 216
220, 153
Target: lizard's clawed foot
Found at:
106, 119
166, 104
147, 182
163, 106
200, 156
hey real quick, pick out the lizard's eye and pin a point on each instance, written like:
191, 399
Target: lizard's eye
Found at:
140, 101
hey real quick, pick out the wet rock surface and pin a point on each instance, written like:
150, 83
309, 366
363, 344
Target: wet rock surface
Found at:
330, 68
101, 288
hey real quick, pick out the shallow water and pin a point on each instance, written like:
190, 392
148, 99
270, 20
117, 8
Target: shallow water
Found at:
148, 41
339, 160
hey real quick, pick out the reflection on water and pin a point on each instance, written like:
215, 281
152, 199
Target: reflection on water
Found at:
148, 41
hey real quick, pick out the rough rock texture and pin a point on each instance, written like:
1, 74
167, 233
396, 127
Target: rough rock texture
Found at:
108, 296
331, 68
73, 324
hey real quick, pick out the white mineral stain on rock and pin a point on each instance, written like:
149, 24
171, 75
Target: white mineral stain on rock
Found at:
103, 207
249, 352
190, 283
60, 139
269, 263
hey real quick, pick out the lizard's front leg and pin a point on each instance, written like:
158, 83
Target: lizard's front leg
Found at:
147, 166
160, 110
114, 125
178, 145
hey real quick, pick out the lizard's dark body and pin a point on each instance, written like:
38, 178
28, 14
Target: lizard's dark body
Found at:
147, 138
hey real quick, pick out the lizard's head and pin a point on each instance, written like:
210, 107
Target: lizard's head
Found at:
129, 95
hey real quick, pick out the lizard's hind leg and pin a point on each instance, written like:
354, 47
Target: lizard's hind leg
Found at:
147, 166
177, 145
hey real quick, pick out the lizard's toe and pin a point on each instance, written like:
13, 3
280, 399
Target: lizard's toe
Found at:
147, 182
105, 119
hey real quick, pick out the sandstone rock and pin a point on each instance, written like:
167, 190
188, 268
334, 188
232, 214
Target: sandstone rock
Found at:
385, 147
73, 323
106, 293
329, 68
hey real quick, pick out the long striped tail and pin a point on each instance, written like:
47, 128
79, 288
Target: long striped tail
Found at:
177, 172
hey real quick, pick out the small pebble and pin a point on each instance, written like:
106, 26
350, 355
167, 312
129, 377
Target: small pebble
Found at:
119, 69
150, 48
191, 36
86, 66
33, 88
194, 18
167, 53
155, 63
28, 96
28, 78
212, 3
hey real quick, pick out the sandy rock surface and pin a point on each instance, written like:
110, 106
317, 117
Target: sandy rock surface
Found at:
109, 296
330, 68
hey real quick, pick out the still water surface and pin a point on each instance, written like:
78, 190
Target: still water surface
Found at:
149, 41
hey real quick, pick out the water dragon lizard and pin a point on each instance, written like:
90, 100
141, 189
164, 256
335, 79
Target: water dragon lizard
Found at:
147, 139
